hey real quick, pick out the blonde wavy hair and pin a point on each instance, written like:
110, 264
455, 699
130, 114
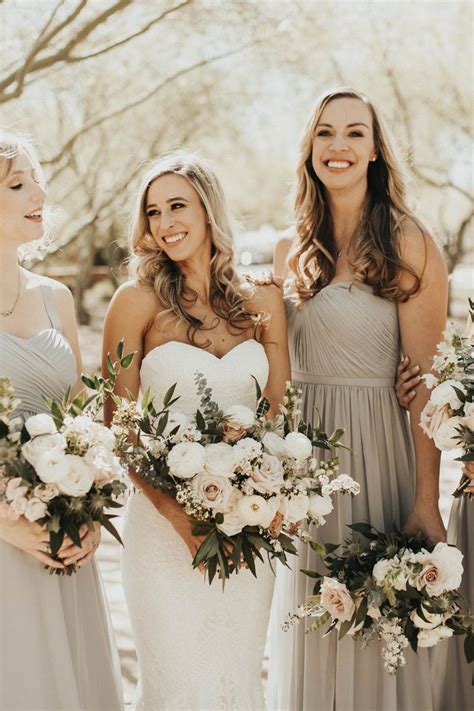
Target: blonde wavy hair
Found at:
376, 244
151, 267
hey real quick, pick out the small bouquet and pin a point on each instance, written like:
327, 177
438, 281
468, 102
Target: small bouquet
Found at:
390, 587
59, 470
247, 482
448, 416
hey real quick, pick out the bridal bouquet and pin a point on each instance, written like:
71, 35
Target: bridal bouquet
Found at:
59, 470
391, 587
448, 416
247, 482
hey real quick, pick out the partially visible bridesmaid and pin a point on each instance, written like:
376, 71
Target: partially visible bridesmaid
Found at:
368, 284
56, 646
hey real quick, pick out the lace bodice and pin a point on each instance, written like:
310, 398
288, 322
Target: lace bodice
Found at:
229, 377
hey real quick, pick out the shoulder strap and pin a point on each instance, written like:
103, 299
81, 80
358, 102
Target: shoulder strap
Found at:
50, 306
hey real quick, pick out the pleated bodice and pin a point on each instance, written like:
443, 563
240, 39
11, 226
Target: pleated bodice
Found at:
344, 335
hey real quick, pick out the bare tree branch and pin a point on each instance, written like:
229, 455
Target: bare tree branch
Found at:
144, 29
32, 65
144, 97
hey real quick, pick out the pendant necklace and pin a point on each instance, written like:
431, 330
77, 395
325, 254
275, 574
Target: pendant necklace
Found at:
9, 312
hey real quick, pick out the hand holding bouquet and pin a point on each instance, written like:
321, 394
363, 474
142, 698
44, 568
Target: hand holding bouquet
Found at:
391, 587
246, 482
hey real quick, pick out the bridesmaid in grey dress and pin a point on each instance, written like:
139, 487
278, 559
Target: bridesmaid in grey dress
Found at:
56, 647
368, 283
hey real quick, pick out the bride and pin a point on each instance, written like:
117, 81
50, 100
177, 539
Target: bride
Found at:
186, 310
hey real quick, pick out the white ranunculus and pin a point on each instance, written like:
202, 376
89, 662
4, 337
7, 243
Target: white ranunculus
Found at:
268, 476
76, 476
468, 419
214, 491
294, 508
35, 509
186, 459
46, 492
176, 419
274, 444
432, 619
255, 511
447, 436
34, 448
336, 599
442, 569
104, 464
16, 488
429, 638
240, 416
298, 446
220, 459
445, 394
18, 505
40, 425
247, 449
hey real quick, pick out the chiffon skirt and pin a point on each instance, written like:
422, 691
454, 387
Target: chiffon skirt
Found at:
307, 672
57, 650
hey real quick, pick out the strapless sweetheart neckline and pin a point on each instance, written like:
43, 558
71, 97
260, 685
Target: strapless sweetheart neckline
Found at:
202, 350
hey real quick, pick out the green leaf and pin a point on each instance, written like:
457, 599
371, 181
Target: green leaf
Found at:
72, 530
200, 421
469, 648
106, 523
257, 388
248, 556
126, 361
110, 365
207, 549
361, 611
211, 568
169, 395
56, 539
119, 351
344, 628
319, 622
365, 529
87, 380
310, 573
318, 548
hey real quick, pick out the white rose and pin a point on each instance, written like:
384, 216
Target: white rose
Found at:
16, 488
268, 476
429, 638
220, 459
40, 425
186, 459
240, 416
175, 420
432, 417
49, 466
34, 448
46, 492
447, 436
247, 449
468, 419
104, 464
432, 619
274, 444
18, 505
336, 599
213, 490
319, 506
298, 446
294, 509
445, 394
35, 509
442, 569
232, 523
256, 511
77, 478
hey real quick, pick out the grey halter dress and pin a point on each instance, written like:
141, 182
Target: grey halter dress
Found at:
57, 650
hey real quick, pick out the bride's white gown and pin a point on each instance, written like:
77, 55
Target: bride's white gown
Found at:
198, 647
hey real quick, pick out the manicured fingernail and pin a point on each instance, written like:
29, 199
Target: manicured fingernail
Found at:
417, 368
412, 393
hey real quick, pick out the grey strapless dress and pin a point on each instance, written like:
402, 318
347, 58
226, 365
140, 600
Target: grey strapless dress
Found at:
57, 650
453, 676
344, 348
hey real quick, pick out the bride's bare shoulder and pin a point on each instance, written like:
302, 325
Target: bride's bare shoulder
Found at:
134, 300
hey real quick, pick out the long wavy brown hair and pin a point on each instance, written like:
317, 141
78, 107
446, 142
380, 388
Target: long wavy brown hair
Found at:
376, 244
151, 267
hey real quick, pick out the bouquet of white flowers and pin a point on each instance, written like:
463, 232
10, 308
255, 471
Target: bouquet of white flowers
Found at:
247, 482
448, 416
391, 587
59, 470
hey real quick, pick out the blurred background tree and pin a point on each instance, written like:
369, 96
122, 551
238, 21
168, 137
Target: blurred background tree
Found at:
103, 86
